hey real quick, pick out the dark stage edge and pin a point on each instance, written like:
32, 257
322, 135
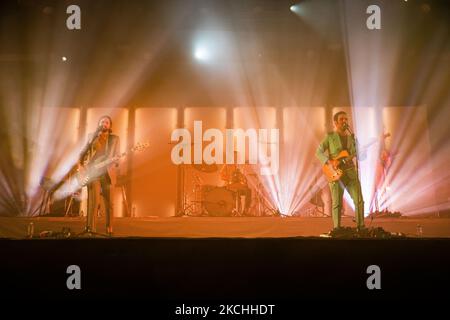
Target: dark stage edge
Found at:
169, 272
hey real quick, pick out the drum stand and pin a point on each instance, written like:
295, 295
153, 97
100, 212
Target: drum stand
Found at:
187, 209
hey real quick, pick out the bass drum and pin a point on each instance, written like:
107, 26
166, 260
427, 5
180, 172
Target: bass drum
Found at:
219, 202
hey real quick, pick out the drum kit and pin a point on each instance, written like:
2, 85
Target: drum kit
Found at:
217, 201
204, 199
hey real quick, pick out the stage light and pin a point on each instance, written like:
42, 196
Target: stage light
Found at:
296, 9
202, 54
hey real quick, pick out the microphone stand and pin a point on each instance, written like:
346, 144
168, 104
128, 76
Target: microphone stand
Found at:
89, 143
355, 144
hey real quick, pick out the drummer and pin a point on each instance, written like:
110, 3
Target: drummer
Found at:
236, 181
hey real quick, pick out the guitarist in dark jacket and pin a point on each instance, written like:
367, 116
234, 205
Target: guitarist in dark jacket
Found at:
103, 145
332, 145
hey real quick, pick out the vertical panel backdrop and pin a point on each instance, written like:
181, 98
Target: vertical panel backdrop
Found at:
153, 176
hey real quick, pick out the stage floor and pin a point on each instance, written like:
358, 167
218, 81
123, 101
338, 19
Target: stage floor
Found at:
222, 227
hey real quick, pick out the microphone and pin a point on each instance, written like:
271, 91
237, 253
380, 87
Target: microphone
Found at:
345, 126
96, 134
99, 129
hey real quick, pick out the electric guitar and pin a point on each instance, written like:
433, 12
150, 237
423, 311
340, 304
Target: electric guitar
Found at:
332, 169
90, 171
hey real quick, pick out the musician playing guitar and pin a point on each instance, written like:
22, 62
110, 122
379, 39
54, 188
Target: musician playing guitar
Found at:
336, 152
102, 145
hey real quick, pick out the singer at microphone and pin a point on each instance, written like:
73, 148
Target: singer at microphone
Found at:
104, 146
101, 129
346, 127
98, 131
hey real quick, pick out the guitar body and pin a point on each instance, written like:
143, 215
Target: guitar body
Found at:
91, 171
332, 170
88, 173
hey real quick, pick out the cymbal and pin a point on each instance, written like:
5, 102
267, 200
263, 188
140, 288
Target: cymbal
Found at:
204, 167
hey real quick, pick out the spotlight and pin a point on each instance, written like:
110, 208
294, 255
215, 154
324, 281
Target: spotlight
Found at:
201, 54
64, 58
294, 8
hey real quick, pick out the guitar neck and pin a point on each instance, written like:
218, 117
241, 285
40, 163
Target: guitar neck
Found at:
115, 158
109, 161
